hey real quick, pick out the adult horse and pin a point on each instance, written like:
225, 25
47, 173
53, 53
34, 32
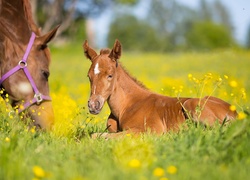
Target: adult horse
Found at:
134, 108
24, 62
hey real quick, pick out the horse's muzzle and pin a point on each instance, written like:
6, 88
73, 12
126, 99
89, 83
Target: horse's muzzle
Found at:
43, 115
95, 106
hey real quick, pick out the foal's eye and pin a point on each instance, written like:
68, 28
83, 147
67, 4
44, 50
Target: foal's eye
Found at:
45, 75
110, 76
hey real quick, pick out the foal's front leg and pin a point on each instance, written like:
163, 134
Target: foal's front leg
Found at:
112, 124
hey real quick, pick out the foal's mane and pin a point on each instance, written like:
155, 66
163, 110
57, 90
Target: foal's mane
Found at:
107, 51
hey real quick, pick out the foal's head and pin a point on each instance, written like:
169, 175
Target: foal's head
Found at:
102, 74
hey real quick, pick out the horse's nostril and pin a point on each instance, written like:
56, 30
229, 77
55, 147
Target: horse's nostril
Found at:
97, 105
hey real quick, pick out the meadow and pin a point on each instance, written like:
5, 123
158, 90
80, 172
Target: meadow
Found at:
195, 152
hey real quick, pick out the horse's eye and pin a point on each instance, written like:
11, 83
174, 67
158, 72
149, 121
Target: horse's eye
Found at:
110, 76
46, 75
42, 46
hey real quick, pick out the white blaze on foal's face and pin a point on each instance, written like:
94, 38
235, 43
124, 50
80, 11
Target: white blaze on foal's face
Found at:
96, 69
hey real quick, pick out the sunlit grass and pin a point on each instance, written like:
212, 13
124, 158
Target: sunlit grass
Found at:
68, 152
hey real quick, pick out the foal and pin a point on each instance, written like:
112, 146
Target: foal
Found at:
135, 109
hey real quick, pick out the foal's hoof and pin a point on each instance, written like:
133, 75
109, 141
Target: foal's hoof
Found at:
99, 135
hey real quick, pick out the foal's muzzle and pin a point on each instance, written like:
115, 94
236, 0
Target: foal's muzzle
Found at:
95, 105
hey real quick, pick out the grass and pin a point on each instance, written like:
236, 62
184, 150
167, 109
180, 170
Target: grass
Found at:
195, 152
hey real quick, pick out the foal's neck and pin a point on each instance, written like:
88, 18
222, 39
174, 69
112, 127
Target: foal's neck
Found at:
127, 90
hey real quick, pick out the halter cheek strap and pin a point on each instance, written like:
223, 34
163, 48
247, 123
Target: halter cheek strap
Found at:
38, 97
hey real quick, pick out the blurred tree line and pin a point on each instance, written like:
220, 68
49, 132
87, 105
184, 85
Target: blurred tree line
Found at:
172, 26
167, 26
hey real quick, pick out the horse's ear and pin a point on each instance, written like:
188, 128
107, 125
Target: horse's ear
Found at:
43, 40
88, 51
116, 51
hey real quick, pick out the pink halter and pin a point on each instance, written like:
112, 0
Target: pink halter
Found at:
38, 97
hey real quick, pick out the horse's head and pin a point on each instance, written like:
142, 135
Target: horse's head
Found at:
24, 76
102, 74
24, 62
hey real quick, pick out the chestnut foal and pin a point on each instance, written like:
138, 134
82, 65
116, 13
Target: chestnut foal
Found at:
135, 109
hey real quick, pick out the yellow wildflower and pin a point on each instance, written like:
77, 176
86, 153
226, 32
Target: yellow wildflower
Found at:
241, 115
163, 178
158, 172
134, 163
35, 178
172, 170
33, 130
233, 84
21, 107
243, 93
209, 75
38, 172
7, 139
232, 108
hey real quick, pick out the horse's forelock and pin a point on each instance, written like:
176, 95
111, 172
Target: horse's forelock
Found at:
105, 51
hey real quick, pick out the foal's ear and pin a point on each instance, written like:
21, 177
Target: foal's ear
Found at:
88, 51
116, 51
43, 40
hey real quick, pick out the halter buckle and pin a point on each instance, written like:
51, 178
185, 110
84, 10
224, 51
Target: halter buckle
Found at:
38, 98
22, 64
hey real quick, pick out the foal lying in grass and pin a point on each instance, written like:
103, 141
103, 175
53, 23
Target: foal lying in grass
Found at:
135, 109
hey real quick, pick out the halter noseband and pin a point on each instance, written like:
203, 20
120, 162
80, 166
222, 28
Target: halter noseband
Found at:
22, 64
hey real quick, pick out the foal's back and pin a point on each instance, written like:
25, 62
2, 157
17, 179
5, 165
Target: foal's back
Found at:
160, 114
154, 112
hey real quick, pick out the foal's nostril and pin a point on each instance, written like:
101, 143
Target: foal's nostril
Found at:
97, 105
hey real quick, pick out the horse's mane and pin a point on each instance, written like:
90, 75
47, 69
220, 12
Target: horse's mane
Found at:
133, 78
28, 14
107, 51
23, 12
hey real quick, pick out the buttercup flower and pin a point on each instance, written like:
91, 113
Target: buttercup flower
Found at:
7, 139
233, 84
158, 172
38, 172
232, 108
241, 115
172, 170
134, 163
